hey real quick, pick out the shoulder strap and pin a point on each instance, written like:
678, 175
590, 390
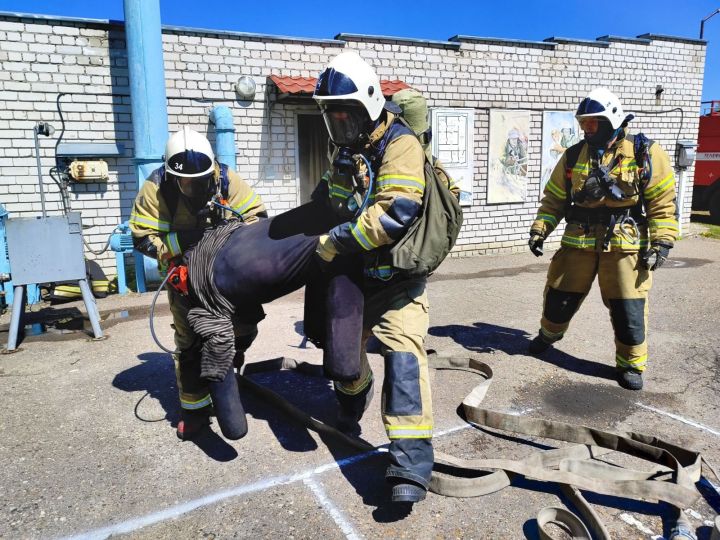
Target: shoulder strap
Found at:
571, 156
224, 181
168, 189
397, 128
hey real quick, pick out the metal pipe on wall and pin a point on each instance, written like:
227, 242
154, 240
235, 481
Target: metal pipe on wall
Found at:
222, 118
148, 101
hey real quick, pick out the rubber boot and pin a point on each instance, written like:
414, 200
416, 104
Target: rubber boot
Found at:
630, 379
352, 408
228, 407
192, 422
408, 492
538, 345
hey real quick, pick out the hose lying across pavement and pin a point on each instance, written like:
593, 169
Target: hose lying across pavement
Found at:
672, 479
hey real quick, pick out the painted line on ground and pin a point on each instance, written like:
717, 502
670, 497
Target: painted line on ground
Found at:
173, 512
680, 419
335, 513
639, 525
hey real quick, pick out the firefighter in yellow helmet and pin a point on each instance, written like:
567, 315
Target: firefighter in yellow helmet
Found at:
361, 123
174, 206
616, 192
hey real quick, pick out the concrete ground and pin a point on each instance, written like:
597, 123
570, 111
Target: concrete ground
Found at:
88, 448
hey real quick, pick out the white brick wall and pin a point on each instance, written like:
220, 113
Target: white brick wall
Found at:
41, 57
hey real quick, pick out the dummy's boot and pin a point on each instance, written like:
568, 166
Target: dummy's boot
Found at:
629, 378
352, 408
228, 407
539, 345
192, 422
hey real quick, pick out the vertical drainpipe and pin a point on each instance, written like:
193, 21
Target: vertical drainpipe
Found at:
221, 117
147, 99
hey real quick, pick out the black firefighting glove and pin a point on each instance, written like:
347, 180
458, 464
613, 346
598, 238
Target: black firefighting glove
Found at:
656, 255
536, 243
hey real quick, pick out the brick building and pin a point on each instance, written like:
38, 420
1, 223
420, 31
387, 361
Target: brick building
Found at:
279, 134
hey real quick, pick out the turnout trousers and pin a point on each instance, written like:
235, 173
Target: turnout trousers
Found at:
397, 314
624, 286
194, 392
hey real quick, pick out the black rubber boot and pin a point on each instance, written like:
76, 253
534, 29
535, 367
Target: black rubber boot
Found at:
407, 492
228, 407
352, 408
631, 379
192, 422
538, 345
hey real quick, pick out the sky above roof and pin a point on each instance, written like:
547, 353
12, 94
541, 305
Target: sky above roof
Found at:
424, 19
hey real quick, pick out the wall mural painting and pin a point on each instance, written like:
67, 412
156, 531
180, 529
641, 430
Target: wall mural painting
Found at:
560, 132
508, 156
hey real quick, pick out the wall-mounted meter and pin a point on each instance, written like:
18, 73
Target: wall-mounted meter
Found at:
89, 171
685, 154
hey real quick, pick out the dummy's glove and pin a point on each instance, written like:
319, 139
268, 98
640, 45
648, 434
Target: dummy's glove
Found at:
536, 243
325, 249
656, 255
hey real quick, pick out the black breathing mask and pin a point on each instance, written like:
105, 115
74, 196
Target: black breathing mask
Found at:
347, 173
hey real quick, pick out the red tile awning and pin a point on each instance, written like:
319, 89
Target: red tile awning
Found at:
289, 86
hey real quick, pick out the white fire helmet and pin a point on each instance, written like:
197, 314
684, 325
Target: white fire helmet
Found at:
350, 98
602, 103
190, 159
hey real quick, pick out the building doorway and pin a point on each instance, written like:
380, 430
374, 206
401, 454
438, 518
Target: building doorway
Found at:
312, 152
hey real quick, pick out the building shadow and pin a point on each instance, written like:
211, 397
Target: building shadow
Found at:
155, 375
486, 338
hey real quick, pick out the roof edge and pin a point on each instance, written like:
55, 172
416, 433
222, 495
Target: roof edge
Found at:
171, 29
576, 41
677, 39
501, 41
415, 41
623, 39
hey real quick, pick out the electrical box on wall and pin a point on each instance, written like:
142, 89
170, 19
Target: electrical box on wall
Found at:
89, 171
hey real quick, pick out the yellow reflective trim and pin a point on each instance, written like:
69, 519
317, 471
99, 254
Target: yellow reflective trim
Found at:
417, 179
555, 190
172, 243
149, 222
661, 187
199, 404
363, 239
410, 428
245, 203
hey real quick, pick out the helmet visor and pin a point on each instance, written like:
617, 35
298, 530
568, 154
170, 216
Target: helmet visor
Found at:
590, 106
195, 188
345, 123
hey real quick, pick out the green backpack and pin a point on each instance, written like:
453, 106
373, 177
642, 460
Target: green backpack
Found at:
433, 234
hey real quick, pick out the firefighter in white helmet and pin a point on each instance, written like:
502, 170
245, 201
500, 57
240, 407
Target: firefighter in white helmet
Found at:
190, 192
616, 192
361, 123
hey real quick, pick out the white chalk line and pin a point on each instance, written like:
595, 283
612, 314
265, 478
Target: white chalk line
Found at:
178, 510
639, 525
335, 513
680, 419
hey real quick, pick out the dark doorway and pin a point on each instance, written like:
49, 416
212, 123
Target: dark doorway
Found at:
312, 152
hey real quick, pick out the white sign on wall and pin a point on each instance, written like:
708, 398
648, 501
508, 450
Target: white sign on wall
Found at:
452, 144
